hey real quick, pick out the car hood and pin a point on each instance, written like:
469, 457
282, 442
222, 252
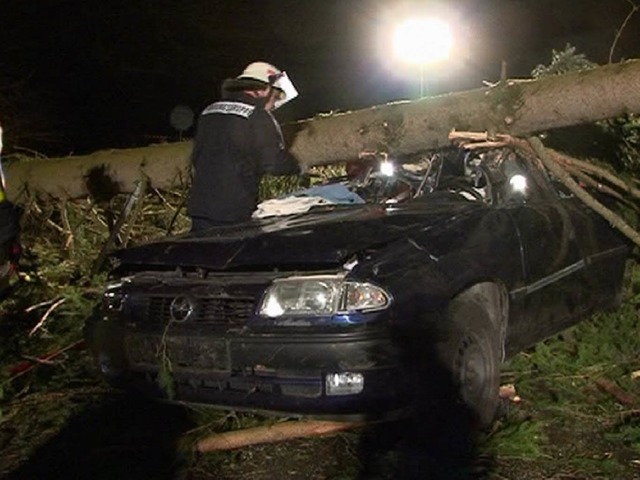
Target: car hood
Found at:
325, 238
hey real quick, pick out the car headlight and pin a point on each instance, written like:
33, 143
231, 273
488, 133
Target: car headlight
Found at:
114, 296
321, 295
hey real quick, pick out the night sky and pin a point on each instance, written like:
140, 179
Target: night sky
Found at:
82, 75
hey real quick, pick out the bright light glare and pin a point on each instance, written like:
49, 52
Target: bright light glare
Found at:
422, 41
273, 308
387, 169
518, 183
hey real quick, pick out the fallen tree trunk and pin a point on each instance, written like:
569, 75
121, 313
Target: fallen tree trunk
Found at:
515, 107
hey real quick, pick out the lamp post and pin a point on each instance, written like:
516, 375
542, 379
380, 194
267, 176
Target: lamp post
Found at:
422, 42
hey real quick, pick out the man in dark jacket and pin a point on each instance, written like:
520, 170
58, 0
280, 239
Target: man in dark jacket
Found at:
237, 141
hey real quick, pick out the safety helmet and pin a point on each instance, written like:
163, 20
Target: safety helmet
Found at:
261, 71
267, 74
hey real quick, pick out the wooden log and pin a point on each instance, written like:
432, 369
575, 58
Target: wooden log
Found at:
271, 433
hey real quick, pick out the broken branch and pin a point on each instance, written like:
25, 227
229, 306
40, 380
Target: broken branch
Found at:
623, 397
45, 316
563, 176
24, 367
595, 170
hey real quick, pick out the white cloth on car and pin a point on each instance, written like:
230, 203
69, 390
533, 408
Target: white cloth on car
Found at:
304, 200
288, 206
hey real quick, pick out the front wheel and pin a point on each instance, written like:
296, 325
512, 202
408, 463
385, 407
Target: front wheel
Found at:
471, 352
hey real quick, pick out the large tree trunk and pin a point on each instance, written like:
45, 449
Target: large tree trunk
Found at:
515, 107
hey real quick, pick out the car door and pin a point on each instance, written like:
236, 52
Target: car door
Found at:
603, 248
553, 287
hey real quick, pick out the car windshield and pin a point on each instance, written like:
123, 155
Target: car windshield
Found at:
485, 176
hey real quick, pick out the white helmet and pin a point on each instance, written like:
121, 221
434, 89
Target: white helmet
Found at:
270, 75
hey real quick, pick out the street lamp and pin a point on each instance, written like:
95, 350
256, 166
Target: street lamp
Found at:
421, 42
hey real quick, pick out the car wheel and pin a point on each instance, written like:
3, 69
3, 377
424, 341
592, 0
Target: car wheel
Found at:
471, 352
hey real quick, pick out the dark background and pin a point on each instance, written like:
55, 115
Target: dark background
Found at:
82, 75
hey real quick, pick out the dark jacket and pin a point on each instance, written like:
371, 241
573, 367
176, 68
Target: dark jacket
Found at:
237, 141
9, 221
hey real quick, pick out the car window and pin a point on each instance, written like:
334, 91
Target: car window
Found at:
490, 176
514, 179
519, 184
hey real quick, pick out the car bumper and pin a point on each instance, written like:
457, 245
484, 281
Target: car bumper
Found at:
275, 372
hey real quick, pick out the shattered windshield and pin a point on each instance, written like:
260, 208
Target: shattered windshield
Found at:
453, 174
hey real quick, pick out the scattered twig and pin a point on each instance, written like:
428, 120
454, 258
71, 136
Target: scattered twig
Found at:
467, 137
124, 215
166, 203
45, 316
68, 244
626, 415
41, 304
623, 397
135, 212
38, 360
55, 225
23, 367
217, 423
99, 218
175, 215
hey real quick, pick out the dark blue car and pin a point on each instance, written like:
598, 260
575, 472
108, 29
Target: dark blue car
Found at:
342, 305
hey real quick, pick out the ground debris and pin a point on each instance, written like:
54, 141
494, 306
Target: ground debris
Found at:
623, 397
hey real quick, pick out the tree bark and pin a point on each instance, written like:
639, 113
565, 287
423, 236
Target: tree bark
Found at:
515, 107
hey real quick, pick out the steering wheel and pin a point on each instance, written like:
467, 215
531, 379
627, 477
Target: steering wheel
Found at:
461, 186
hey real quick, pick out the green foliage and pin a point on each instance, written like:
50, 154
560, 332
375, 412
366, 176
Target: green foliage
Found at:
626, 130
563, 368
564, 61
58, 289
626, 432
518, 438
165, 378
273, 187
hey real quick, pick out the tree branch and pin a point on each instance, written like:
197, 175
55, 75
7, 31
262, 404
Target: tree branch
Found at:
634, 9
563, 176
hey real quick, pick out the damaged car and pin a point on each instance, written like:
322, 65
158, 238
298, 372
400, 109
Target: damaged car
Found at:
342, 299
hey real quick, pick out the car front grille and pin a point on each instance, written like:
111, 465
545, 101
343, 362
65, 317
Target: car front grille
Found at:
225, 310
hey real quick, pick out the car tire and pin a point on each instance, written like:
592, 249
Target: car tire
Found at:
471, 353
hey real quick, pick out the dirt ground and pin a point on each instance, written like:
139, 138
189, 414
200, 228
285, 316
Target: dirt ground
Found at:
100, 433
